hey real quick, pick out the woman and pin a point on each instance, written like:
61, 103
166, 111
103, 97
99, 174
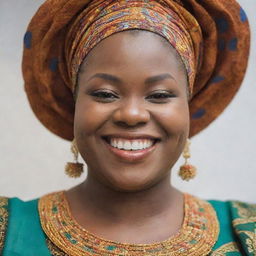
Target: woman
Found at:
120, 77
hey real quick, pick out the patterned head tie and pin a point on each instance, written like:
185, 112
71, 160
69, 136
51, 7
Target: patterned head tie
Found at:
104, 18
211, 38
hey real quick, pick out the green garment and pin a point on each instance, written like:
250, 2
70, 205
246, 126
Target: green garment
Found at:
25, 237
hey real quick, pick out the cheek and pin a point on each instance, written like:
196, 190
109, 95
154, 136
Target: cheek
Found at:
174, 121
174, 118
89, 117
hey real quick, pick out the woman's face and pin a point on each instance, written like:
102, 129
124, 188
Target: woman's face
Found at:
131, 95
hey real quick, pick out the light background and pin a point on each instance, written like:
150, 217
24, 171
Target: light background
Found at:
32, 160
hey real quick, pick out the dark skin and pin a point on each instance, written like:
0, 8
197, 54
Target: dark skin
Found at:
143, 89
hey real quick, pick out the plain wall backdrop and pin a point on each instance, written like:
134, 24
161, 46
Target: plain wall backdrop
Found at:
32, 159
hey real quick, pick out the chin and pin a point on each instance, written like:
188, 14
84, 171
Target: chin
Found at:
131, 183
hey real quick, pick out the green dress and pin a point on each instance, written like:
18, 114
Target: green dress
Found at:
21, 232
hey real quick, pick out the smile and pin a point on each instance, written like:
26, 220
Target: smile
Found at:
131, 144
130, 149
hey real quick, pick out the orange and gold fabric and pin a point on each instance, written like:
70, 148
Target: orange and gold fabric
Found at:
104, 18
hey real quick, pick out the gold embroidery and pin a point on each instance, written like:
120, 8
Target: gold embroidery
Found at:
243, 221
229, 247
251, 243
245, 224
245, 211
197, 236
55, 251
3, 220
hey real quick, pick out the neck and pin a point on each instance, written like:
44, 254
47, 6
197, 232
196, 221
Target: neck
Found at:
129, 207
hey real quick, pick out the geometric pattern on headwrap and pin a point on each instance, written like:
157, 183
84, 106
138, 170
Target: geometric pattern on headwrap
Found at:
103, 18
223, 57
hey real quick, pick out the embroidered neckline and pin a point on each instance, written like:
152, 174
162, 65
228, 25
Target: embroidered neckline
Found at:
197, 236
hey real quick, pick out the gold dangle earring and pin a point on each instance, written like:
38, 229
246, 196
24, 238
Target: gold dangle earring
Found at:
74, 170
187, 171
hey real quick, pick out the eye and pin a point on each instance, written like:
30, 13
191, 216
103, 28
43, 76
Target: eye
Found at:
160, 96
105, 96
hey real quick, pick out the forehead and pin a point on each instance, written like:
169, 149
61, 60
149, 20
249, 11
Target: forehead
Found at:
133, 58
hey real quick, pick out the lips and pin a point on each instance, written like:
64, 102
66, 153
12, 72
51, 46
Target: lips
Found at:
129, 154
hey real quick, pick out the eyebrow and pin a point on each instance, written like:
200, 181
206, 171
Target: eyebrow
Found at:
107, 77
116, 80
158, 78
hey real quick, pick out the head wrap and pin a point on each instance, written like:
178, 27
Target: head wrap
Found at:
104, 18
211, 37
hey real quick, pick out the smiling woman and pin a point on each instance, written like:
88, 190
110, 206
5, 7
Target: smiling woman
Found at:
141, 95
129, 82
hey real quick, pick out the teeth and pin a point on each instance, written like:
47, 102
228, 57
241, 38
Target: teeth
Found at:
119, 144
131, 144
127, 145
136, 145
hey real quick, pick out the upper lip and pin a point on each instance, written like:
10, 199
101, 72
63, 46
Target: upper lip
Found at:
132, 136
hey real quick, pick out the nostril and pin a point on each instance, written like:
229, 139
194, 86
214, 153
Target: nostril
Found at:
130, 124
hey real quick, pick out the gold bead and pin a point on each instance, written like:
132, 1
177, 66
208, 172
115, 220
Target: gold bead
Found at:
186, 155
187, 172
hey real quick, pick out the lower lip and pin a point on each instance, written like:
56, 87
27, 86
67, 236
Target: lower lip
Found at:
131, 155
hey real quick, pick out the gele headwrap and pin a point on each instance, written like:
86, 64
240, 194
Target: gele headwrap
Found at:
211, 37
109, 17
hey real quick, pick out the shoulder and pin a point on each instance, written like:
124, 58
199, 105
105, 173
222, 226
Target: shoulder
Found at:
242, 210
21, 219
11, 211
236, 211
237, 226
21, 212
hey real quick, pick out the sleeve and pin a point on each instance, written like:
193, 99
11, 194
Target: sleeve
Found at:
244, 223
3, 220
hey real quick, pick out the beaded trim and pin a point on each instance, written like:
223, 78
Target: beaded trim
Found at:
3, 220
197, 236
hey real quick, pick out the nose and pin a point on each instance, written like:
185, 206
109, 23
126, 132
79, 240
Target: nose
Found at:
131, 113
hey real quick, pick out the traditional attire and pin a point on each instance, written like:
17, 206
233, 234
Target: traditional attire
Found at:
212, 39
45, 227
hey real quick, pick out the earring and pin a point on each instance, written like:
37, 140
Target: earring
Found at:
187, 171
74, 170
